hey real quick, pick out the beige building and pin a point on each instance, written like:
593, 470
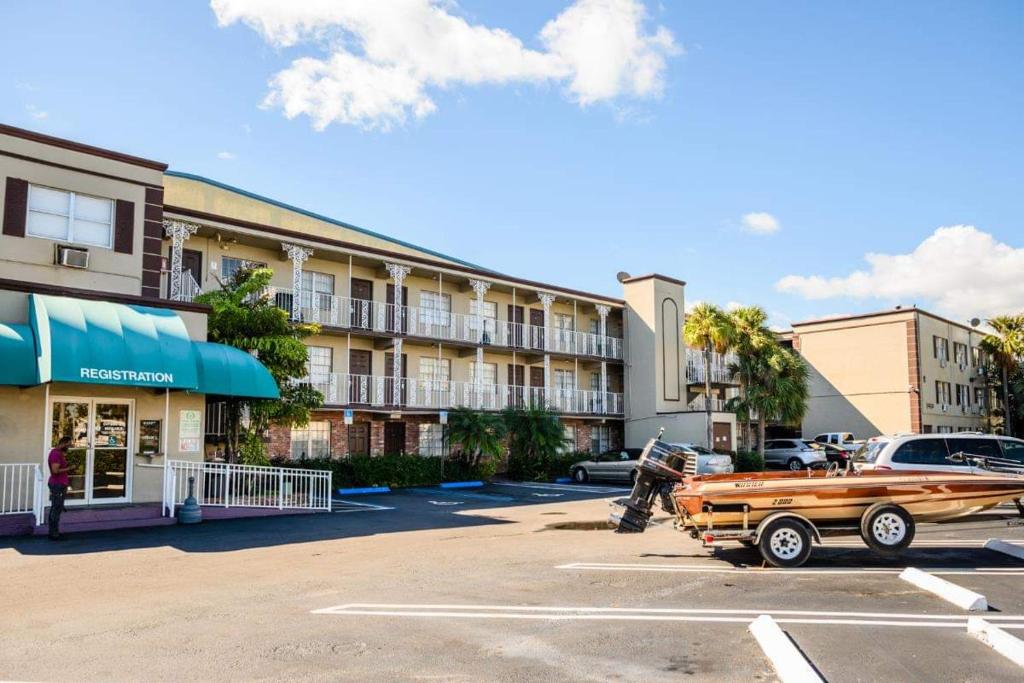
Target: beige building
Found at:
902, 370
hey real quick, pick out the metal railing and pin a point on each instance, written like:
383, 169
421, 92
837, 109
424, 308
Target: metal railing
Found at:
376, 316
230, 485
381, 391
720, 373
701, 403
22, 490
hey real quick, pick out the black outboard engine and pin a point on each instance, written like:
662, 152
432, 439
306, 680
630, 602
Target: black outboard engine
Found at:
659, 469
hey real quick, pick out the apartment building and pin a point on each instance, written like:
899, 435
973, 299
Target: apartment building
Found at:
407, 333
901, 370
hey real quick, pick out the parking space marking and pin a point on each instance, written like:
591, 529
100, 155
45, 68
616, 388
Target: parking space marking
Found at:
996, 638
579, 488
698, 569
789, 663
338, 505
563, 613
1000, 546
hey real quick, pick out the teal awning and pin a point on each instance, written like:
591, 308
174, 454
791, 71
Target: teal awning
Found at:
18, 355
98, 342
227, 371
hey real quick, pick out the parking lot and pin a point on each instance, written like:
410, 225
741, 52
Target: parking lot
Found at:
509, 582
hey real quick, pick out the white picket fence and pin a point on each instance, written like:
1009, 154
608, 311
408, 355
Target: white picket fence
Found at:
22, 490
230, 485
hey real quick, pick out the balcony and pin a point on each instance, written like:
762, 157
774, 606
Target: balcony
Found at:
700, 403
379, 391
720, 373
383, 318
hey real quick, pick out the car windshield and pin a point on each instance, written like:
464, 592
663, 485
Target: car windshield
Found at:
868, 452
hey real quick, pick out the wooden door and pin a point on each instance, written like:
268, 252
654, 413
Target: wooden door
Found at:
360, 369
722, 434
362, 303
396, 320
538, 392
515, 326
389, 378
192, 261
394, 438
516, 382
537, 330
359, 438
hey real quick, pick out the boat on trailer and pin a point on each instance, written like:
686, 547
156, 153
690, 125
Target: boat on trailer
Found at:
783, 513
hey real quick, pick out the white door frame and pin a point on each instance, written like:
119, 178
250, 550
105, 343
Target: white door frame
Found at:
90, 455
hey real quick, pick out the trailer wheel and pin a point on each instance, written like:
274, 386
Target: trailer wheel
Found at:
785, 543
887, 529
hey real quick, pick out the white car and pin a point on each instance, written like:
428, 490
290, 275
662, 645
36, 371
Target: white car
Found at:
835, 438
931, 452
708, 462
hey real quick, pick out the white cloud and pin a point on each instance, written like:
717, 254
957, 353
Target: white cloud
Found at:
36, 113
960, 270
760, 223
226, 156
385, 59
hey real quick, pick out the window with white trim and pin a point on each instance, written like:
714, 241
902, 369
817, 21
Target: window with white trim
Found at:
565, 380
431, 441
569, 434
489, 313
70, 217
488, 372
312, 441
600, 438
229, 265
435, 308
319, 364
595, 381
317, 290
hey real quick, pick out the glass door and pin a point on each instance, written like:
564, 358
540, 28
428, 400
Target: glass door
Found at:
101, 435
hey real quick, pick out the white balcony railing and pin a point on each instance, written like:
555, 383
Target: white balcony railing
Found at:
720, 373
700, 403
22, 490
229, 485
424, 394
375, 316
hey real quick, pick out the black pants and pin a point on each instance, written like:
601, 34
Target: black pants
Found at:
57, 493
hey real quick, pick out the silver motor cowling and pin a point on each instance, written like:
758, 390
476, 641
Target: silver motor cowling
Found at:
660, 467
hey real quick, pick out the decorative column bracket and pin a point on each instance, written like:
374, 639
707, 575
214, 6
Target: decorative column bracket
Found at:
397, 273
480, 287
546, 300
602, 312
298, 256
178, 231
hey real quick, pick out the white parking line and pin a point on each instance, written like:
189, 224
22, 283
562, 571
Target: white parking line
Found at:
996, 638
338, 505
564, 613
771, 571
563, 487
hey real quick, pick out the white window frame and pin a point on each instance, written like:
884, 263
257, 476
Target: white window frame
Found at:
486, 367
432, 440
243, 263
438, 311
69, 217
560, 376
600, 438
569, 434
319, 376
305, 435
490, 320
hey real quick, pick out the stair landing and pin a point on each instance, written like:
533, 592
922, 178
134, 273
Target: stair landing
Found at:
103, 517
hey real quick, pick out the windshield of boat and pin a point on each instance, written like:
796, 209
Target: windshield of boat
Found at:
701, 450
868, 452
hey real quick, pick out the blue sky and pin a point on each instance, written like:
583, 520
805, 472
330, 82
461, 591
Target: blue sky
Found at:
859, 127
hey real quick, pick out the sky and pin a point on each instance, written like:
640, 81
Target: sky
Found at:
813, 158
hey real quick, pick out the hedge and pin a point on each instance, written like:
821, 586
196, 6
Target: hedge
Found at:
396, 471
748, 461
542, 468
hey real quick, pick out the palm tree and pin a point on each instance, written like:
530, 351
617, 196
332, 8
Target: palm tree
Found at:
710, 330
477, 432
535, 438
1005, 345
778, 387
751, 334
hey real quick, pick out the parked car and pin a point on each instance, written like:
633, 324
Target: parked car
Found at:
840, 455
708, 462
835, 438
613, 465
931, 451
793, 454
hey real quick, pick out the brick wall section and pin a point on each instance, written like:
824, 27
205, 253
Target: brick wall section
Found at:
914, 376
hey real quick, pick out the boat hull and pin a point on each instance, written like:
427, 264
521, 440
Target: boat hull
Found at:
735, 500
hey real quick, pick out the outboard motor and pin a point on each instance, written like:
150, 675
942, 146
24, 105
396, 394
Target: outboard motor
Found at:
659, 469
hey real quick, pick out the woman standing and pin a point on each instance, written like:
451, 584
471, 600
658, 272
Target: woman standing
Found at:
58, 483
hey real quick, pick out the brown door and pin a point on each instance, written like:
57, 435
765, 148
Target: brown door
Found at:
192, 261
360, 367
537, 390
394, 438
536, 328
362, 303
722, 433
515, 325
359, 438
389, 378
392, 319
516, 377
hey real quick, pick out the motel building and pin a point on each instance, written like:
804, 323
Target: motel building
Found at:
102, 255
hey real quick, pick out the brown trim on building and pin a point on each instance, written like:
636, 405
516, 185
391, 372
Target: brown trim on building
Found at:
79, 147
653, 276
93, 295
342, 244
882, 314
15, 207
914, 378
155, 196
124, 226
77, 169
153, 229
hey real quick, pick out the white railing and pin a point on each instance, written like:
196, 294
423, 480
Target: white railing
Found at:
375, 316
701, 403
720, 373
379, 391
22, 490
229, 485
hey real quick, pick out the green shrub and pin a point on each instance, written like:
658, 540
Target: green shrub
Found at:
252, 450
396, 471
543, 467
748, 461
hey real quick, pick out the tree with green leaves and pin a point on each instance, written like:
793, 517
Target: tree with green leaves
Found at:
777, 387
1005, 346
709, 329
244, 316
478, 433
750, 336
535, 439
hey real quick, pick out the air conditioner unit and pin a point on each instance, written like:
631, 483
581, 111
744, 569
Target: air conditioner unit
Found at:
72, 257
943, 362
963, 366
945, 407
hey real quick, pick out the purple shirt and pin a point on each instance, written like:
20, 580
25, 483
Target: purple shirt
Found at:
57, 457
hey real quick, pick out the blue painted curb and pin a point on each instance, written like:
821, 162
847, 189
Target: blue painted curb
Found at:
563, 480
367, 489
461, 484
